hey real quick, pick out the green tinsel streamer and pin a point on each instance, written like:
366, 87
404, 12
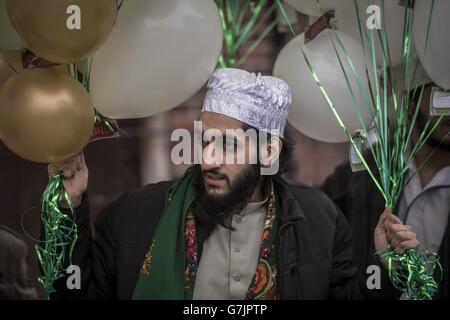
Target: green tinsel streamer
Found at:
60, 232
412, 273
244, 26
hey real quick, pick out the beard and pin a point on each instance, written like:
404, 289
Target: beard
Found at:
214, 209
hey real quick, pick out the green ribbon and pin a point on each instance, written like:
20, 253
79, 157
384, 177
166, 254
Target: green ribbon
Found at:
412, 273
241, 20
60, 233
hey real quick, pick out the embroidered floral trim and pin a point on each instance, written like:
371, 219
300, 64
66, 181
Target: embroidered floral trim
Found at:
146, 266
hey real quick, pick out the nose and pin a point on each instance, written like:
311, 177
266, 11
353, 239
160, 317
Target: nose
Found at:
212, 157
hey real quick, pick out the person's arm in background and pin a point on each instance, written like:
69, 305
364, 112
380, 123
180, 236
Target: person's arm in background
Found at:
348, 283
339, 187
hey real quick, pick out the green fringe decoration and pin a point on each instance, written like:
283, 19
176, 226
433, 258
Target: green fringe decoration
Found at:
412, 273
60, 232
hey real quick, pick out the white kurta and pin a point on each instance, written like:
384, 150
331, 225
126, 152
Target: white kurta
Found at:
229, 258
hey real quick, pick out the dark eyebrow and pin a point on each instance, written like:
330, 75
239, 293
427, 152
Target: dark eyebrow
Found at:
202, 133
225, 137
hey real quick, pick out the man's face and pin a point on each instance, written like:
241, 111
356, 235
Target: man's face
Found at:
226, 162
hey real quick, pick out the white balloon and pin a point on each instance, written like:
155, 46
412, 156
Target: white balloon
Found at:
346, 21
159, 54
436, 57
9, 39
310, 113
310, 8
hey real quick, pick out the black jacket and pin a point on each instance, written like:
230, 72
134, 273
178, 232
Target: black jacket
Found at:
315, 251
362, 204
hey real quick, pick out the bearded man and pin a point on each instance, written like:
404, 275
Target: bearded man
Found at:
224, 230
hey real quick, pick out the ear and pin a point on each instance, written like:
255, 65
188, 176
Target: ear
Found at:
270, 152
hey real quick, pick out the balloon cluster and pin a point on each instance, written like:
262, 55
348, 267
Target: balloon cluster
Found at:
45, 114
148, 59
309, 112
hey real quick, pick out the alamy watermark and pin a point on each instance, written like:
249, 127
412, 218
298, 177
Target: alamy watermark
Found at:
373, 282
374, 20
73, 22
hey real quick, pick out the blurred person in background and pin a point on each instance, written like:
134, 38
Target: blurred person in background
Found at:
15, 283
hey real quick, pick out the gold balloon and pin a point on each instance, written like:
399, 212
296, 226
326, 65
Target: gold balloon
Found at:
44, 25
45, 115
5, 69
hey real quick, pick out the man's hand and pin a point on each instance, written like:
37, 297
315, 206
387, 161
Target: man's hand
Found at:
75, 177
392, 233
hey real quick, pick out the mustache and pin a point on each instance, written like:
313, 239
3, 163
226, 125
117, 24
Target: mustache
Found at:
216, 173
